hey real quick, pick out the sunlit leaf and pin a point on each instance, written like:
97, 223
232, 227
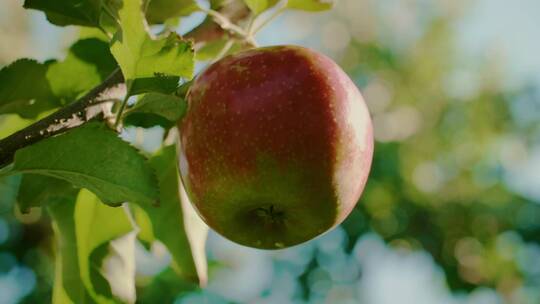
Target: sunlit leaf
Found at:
11, 123
87, 64
95, 158
144, 223
85, 230
85, 32
210, 50
68, 287
142, 57
311, 5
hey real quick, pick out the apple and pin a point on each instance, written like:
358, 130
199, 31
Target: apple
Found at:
276, 146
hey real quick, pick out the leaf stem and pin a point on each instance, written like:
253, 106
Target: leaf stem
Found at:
122, 106
130, 217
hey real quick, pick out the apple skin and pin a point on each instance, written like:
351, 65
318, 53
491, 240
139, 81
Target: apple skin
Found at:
276, 146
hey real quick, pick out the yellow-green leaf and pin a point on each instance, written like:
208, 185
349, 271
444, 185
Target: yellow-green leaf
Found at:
140, 56
311, 5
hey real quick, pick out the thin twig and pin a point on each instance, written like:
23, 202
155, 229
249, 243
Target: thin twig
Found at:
225, 23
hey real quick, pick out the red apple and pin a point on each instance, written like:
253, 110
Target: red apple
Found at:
276, 146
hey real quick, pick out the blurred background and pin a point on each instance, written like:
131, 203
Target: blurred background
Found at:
451, 212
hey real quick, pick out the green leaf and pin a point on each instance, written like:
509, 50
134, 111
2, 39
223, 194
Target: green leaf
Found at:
158, 11
24, 89
86, 231
311, 5
175, 223
146, 234
12, 123
68, 286
168, 109
87, 64
259, 6
158, 83
168, 106
40, 190
216, 4
59, 294
140, 56
147, 120
166, 287
95, 158
210, 49
67, 12
92, 32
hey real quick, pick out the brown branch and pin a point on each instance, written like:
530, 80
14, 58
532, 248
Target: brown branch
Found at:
213, 29
89, 107
83, 110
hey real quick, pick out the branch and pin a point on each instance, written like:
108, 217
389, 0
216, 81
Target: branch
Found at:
92, 105
88, 108
214, 28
